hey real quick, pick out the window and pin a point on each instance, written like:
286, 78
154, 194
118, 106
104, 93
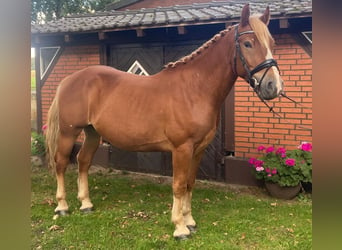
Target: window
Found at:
137, 69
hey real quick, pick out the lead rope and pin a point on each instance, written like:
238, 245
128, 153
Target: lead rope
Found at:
271, 109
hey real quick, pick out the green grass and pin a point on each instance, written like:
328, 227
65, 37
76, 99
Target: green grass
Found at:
134, 213
33, 79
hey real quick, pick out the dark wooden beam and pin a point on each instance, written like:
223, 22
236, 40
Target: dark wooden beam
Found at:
104, 54
51, 66
228, 125
38, 90
303, 42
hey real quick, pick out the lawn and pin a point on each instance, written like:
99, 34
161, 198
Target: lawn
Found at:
133, 212
33, 79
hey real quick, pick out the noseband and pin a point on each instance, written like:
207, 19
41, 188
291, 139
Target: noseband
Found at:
265, 64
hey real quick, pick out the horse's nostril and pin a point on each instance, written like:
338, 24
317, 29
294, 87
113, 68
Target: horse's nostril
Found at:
270, 85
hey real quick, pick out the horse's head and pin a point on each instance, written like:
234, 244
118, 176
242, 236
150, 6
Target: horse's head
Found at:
253, 57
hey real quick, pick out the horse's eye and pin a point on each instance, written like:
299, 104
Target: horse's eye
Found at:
247, 44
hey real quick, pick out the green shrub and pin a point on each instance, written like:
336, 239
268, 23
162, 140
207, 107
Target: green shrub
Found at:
37, 144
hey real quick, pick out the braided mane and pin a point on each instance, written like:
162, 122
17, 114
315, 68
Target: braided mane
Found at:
198, 51
261, 32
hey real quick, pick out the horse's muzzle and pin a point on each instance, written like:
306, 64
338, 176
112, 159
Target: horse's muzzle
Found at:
270, 89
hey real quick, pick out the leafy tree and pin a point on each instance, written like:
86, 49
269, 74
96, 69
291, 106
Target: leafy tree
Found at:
46, 10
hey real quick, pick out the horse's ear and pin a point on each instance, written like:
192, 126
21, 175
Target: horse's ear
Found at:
266, 16
245, 16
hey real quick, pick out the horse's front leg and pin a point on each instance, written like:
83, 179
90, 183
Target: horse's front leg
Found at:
189, 220
181, 160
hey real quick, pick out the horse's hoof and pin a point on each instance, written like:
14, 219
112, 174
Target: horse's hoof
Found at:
193, 229
87, 210
59, 213
62, 212
182, 237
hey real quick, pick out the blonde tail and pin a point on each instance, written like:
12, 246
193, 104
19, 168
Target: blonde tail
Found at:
52, 134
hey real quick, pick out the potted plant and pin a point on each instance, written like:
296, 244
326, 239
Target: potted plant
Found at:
283, 170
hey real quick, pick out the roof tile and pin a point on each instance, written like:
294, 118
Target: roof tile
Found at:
178, 14
185, 15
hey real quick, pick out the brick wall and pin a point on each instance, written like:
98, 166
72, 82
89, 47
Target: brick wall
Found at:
255, 125
72, 59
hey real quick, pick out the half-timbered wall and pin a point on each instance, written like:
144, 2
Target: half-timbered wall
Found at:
253, 123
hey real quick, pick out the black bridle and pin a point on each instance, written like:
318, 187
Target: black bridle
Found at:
267, 64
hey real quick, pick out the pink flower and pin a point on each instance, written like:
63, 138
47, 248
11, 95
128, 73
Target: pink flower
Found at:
252, 161
305, 146
258, 169
269, 149
269, 175
261, 148
274, 171
258, 163
268, 170
290, 162
283, 155
44, 127
281, 151
255, 162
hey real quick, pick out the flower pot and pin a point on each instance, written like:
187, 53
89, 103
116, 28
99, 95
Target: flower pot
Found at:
286, 193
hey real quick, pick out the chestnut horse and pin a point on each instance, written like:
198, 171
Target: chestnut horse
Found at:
175, 110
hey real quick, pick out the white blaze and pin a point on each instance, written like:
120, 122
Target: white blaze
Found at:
275, 70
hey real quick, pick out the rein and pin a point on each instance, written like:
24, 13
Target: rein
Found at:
271, 109
267, 64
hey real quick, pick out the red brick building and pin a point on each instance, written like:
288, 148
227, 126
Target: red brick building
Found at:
136, 39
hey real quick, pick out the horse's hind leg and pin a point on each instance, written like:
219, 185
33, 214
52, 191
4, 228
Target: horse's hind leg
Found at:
84, 158
65, 145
